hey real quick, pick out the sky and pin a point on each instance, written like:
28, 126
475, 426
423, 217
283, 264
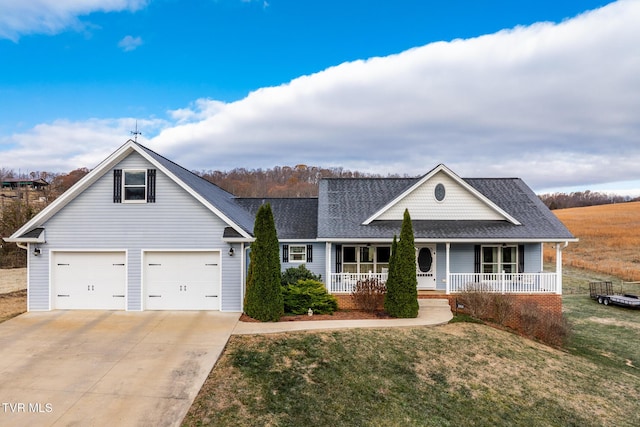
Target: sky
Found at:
545, 90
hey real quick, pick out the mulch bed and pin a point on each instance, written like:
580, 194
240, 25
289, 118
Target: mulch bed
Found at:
338, 315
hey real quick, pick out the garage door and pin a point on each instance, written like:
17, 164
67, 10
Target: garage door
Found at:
182, 280
88, 280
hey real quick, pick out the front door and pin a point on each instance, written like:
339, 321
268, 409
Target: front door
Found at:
426, 266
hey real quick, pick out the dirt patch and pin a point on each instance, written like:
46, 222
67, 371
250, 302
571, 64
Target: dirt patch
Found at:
12, 279
338, 315
12, 304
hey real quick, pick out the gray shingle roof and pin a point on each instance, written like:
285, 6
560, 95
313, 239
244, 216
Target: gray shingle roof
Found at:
295, 218
221, 199
344, 204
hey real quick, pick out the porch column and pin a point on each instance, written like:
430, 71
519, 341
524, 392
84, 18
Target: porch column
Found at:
327, 266
448, 278
559, 248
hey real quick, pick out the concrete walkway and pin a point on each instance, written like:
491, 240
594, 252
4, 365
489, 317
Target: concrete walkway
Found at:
432, 312
96, 368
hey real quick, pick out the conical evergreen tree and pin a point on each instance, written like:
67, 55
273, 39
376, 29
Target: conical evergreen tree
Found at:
401, 299
263, 300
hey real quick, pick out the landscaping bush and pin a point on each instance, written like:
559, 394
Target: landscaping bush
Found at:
501, 308
476, 301
291, 275
548, 327
263, 300
308, 294
368, 295
401, 299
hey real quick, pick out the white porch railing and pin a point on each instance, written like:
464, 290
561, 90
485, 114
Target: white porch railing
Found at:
344, 282
506, 283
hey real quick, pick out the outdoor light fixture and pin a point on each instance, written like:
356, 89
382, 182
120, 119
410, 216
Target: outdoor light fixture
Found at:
36, 251
231, 251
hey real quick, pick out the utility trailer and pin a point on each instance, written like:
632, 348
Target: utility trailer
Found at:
603, 293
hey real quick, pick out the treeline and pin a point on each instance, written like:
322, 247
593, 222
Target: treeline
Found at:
582, 198
280, 181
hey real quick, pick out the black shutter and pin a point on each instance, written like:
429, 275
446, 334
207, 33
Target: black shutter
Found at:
520, 258
477, 259
285, 253
117, 186
338, 258
309, 253
151, 185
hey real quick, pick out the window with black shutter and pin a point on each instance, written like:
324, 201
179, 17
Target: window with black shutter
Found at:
338, 259
309, 253
285, 253
134, 186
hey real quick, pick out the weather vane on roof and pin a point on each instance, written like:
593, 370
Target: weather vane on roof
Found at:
135, 133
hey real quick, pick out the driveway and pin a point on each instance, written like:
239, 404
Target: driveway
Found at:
64, 368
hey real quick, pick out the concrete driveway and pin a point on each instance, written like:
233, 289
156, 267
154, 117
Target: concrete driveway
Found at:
84, 368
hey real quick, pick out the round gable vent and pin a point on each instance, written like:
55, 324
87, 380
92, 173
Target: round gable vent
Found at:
439, 192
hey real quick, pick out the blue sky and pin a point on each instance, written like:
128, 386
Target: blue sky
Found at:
545, 90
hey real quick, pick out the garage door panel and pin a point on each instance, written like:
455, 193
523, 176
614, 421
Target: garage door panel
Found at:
182, 280
89, 280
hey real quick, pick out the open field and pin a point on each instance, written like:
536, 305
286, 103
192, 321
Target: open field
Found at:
457, 374
609, 239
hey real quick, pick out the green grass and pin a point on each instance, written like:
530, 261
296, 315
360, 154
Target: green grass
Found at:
457, 374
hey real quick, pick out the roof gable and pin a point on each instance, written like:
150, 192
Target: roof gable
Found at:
211, 196
460, 201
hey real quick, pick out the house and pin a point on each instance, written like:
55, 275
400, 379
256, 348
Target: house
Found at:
140, 232
15, 183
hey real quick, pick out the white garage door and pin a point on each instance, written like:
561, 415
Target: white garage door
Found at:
88, 280
182, 280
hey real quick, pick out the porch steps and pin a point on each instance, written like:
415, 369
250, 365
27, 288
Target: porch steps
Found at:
433, 302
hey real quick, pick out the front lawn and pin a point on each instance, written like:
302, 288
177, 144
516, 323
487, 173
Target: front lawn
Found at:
457, 374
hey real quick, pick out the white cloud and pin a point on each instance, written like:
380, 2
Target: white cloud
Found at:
53, 16
550, 102
64, 145
555, 104
129, 43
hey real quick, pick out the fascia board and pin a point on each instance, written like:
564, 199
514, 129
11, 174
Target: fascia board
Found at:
458, 180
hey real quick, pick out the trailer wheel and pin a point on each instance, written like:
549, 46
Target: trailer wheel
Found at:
600, 300
606, 301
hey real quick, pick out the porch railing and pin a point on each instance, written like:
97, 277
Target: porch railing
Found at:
506, 283
344, 282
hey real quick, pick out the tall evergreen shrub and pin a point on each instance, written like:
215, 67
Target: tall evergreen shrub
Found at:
263, 300
401, 299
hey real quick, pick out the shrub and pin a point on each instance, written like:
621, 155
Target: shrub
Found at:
502, 308
476, 301
368, 294
263, 300
308, 294
291, 275
401, 299
549, 327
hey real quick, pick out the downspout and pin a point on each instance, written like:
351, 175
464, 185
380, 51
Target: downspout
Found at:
559, 248
21, 246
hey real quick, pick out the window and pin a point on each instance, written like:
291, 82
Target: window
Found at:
135, 186
496, 259
365, 259
297, 253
